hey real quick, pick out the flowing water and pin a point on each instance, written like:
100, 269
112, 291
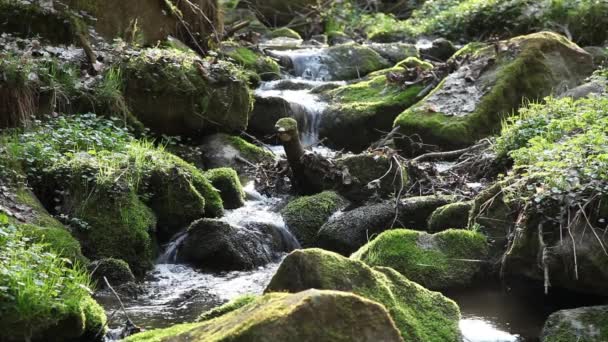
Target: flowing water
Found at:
174, 293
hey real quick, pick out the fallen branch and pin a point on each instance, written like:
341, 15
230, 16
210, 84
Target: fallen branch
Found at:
449, 155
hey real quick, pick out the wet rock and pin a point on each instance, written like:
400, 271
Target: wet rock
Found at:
116, 271
580, 324
419, 314
349, 231
282, 317
226, 180
450, 259
471, 102
285, 32
454, 215
237, 15
304, 216
441, 49
266, 112
217, 245
395, 52
177, 93
340, 62
222, 150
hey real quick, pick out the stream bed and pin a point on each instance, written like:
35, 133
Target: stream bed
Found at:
174, 293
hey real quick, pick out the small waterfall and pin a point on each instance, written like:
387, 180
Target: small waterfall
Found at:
309, 64
169, 256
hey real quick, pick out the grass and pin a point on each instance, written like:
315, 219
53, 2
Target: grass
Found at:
38, 289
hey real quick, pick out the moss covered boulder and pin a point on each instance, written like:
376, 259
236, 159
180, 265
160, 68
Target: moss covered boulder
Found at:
312, 315
304, 216
419, 314
453, 215
449, 259
493, 82
395, 52
226, 180
586, 324
263, 67
116, 271
222, 150
347, 232
177, 93
359, 112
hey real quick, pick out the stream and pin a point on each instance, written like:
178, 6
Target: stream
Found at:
174, 293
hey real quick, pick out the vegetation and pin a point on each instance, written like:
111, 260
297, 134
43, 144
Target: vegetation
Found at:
42, 293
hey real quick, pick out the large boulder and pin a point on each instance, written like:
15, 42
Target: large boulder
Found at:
267, 110
313, 315
226, 180
450, 259
420, 315
347, 232
359, 112
491, 84
340, 62
263, 67
586, 324
395, 52
304, 216
178, 93
218, 245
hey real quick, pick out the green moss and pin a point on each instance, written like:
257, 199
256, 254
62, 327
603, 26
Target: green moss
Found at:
59, 240
287, 125
350, 61
585, 324
232, 305
365, 108
455, 215
420, 315
280, 316
265, 67
530, 75
116, 271
439, 261
413, 62
285, 32
304, 216
178, 93
249, 151
226, 180
95, 320
112, 219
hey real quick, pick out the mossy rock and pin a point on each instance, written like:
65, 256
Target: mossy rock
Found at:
351, 230
419, 314
118, 226
177, 93
263, 66
360, 111
59, 239
95, 321
179, 195
223, 309
413, 62
226, 180
345, 317
223, 150
116, 271
586, 324
365, 168
454, 215
395, 52
236, 15
450, 259
471, 103
304, 216
284, 32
